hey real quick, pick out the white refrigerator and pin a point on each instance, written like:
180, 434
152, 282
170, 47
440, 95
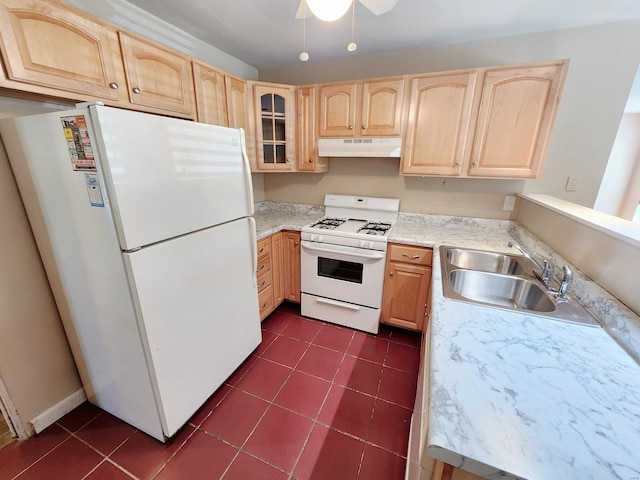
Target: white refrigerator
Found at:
145, 228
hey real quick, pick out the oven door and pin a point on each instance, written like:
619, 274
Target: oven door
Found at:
343, 273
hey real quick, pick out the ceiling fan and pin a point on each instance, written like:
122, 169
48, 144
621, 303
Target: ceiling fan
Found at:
377, 7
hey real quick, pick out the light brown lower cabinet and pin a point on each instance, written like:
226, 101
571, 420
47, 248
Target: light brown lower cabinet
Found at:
278, 271
444, 471
265, 278
291, 263
407, 287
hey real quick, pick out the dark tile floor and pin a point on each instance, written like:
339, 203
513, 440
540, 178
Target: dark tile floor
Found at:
314, 401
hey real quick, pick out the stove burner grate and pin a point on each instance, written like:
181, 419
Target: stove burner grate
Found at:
375, 228
329, 223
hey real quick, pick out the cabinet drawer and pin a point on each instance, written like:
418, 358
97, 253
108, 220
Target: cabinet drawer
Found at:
265, 302
264, 280
264, 247
406, 254
264, 265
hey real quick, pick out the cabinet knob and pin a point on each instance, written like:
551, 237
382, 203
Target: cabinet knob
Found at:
364, 127
295, 243
289, 160
391, 274
350, 127
113, 85
310, 160
458, 163
136, 90
475, 164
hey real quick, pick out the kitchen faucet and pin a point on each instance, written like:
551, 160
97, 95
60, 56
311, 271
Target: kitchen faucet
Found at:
546, 272
546, 269
567, 277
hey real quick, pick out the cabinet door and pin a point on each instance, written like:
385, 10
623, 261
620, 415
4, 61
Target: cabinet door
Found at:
381, 107
406, 293
157, 77
444, 471
517, 111
236, 102
277, 271
48, 45
211, 98
306, 133
337, 110
438, 137
239, 112
275, 133
291, 266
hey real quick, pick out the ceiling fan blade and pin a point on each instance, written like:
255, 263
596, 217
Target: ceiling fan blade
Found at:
378, 7
303, 11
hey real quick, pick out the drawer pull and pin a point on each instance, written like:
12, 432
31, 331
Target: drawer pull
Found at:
414, 257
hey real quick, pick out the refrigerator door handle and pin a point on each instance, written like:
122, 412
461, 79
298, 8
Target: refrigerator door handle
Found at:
254, 250
247, 166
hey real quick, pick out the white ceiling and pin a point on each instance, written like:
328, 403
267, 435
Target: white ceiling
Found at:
265, 33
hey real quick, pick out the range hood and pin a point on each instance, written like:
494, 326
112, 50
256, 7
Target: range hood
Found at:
359, 147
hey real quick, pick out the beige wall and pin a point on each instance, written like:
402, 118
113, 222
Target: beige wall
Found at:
618, 180
378, 177
257, 179
36, 366
604, 60
605, 258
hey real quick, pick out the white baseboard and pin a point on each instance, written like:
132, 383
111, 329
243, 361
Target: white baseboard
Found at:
57, 411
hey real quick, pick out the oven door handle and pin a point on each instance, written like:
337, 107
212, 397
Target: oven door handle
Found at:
371, 256
335, 303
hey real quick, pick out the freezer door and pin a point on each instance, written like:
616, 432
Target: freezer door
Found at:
198, 310
166, 177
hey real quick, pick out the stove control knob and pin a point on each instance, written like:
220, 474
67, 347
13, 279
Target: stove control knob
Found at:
316, 238
365, 244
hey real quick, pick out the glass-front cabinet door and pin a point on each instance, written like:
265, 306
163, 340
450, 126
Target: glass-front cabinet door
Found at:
275, 118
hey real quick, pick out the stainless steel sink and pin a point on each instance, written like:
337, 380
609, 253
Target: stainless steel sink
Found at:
504, 281
501, 290
488, 261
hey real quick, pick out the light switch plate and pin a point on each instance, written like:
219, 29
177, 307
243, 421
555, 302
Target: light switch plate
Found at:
509, 203
572, 184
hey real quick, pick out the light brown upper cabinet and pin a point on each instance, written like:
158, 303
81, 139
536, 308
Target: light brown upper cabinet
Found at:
237, 107
239, 112
157, 77
306, 138
490, 122
275, 132
438, 135
517, 111
48, 45
365, 108
211, 98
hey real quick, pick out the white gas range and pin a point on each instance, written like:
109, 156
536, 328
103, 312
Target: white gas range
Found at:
343, 259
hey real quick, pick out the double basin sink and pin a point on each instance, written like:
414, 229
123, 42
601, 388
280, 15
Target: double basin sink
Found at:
504, 281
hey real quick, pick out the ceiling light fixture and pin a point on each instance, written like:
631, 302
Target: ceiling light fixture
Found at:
304, 56
329, 10
353, 46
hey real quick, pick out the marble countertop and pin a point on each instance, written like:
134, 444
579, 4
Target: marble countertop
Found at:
272, 217
512, 395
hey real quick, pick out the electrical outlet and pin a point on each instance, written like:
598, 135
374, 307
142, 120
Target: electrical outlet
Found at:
572, 184
509, 203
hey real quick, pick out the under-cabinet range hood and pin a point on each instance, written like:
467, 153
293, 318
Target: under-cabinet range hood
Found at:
359, 147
